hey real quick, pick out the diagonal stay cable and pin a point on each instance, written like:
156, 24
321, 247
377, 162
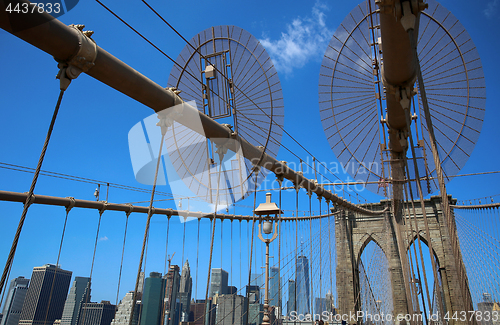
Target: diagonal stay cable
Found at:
30, 196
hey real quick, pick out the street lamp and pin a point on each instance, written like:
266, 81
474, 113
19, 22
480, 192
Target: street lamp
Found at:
269, 211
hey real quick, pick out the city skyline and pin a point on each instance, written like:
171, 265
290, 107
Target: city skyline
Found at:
177, 286
113, 114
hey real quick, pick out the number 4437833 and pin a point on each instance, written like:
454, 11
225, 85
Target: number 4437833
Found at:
41, 7
473, 314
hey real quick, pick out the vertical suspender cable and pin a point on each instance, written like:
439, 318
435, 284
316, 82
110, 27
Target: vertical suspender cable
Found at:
197, 255
87, 295
166, 245
123, 252
320, 253
280, 182
68, 209
296, 242
212, 238
330, 246
309, 193
256, 171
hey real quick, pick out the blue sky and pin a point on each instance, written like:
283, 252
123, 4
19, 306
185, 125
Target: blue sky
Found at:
90, 136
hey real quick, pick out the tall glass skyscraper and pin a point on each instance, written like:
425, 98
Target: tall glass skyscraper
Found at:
302, 286
274, 287
152, 299
218, 282
14, 302
78, 295
36, 309
291, 297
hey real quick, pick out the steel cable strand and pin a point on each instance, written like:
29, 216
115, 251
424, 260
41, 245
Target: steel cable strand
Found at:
472, 232
439, 172
87, 295
121, 261
409, 233
479, 260
470, 258
424, 214
412, 241
146, 230
68, 209
30, 196
213, 236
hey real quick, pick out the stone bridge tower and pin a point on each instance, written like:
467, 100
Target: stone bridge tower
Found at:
353, 233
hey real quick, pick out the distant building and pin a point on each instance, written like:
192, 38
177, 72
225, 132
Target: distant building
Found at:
274, 287
330, 303
94, 313
78, 294
302, 286
152, 299
14, 301
198, 316
255, 308
197, 313
122, 315
291, 304
45, 279
232, 290
171, 296
257, 279
231, 310
320, 305
218, 282
185, 289
496, 311
486, 306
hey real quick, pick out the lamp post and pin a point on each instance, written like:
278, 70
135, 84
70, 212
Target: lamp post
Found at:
270, 212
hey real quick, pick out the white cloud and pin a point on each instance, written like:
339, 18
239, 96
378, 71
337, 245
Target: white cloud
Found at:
305, 38
491, 9
103, 238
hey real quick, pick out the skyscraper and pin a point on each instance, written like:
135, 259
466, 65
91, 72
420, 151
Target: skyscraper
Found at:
257, 279
172, 305
231, 310
94, 313
185, 288
14, 302
255, 308
320, 305
291, 306
302, 286
274, 287
78, 294
330, 303
152, 299
197, 312
36, 309
122, 315
486, 307
218, 283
